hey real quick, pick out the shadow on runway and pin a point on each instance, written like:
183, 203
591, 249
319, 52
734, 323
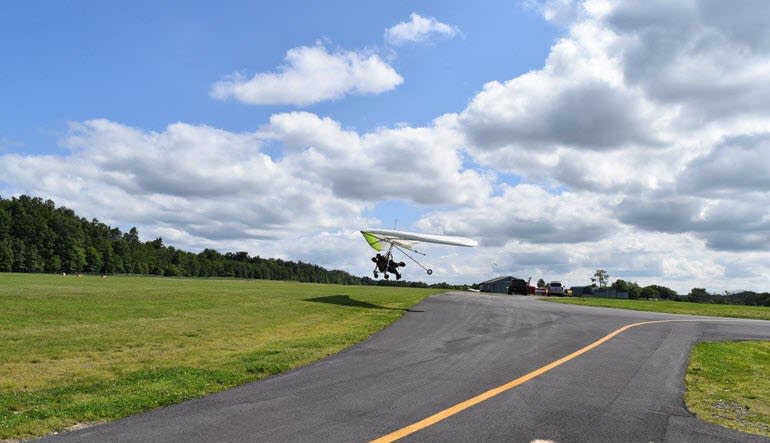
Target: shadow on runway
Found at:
345, 300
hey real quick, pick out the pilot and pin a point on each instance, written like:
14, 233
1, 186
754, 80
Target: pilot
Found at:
393, 268
381, 261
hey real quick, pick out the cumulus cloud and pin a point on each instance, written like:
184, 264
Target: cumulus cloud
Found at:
739, 164
710, 57
418, 29
632, 83
590, 114
724, 224
312, 74
421, 165
207, 184
183, 160
575, 122
657, 110
528, 213
642, 78
200, 186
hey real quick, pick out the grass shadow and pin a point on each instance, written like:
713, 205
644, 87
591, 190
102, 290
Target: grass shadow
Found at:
345, 300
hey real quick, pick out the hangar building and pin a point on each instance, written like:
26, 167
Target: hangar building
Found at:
498, 284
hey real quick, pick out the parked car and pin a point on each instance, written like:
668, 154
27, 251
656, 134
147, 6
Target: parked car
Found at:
540, 291
555, 288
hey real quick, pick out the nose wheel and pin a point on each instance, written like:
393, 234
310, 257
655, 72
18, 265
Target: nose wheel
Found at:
429, 271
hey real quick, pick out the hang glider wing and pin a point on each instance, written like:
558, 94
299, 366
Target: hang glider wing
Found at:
383, 238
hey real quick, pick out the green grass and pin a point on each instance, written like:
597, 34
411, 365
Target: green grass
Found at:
87, 349
671, 307
728, 384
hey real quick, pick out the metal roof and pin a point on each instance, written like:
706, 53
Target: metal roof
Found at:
497, 279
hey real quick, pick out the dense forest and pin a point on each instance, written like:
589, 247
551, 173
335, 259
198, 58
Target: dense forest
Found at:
37, 236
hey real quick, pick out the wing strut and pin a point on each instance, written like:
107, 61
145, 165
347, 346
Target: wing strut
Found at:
428, 270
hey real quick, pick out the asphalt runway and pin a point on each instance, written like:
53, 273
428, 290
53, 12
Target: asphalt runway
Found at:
451, 348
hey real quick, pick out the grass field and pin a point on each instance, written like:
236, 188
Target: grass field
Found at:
671, 307
728, 384
77, 350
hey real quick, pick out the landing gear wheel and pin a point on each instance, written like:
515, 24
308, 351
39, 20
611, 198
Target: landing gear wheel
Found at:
376, 275
401, 264
387, 276
430, 271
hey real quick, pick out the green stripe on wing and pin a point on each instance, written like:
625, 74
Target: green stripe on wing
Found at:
373, 241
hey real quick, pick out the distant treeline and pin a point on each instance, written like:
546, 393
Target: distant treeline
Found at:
36, 236
749, 298
696, 295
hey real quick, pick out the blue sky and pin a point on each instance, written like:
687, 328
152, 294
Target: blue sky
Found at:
563, 135
149, 64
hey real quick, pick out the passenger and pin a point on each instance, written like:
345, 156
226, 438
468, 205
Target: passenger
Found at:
393, 268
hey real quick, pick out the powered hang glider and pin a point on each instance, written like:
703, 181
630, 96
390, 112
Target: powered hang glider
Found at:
386, 241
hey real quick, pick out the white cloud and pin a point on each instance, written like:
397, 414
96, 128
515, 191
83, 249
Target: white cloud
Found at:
628, 85
579, 100
738, 165
421, 165
210, 186
656, 110
529, 214
200, 187
312, 74
680, 261
640, 147
418, 29
710, 58
559, 12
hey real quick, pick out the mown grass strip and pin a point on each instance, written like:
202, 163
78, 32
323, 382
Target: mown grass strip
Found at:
89, 349
671, 307
728, 383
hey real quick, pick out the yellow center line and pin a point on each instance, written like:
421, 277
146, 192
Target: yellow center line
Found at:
459, 407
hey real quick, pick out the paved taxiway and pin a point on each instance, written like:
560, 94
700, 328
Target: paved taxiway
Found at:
453, 347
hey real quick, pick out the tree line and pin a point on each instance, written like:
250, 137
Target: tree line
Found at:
38, 236
696, 295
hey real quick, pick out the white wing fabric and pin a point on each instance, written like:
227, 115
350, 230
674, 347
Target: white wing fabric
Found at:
379, 238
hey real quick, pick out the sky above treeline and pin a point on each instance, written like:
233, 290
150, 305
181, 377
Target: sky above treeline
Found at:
564, 136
